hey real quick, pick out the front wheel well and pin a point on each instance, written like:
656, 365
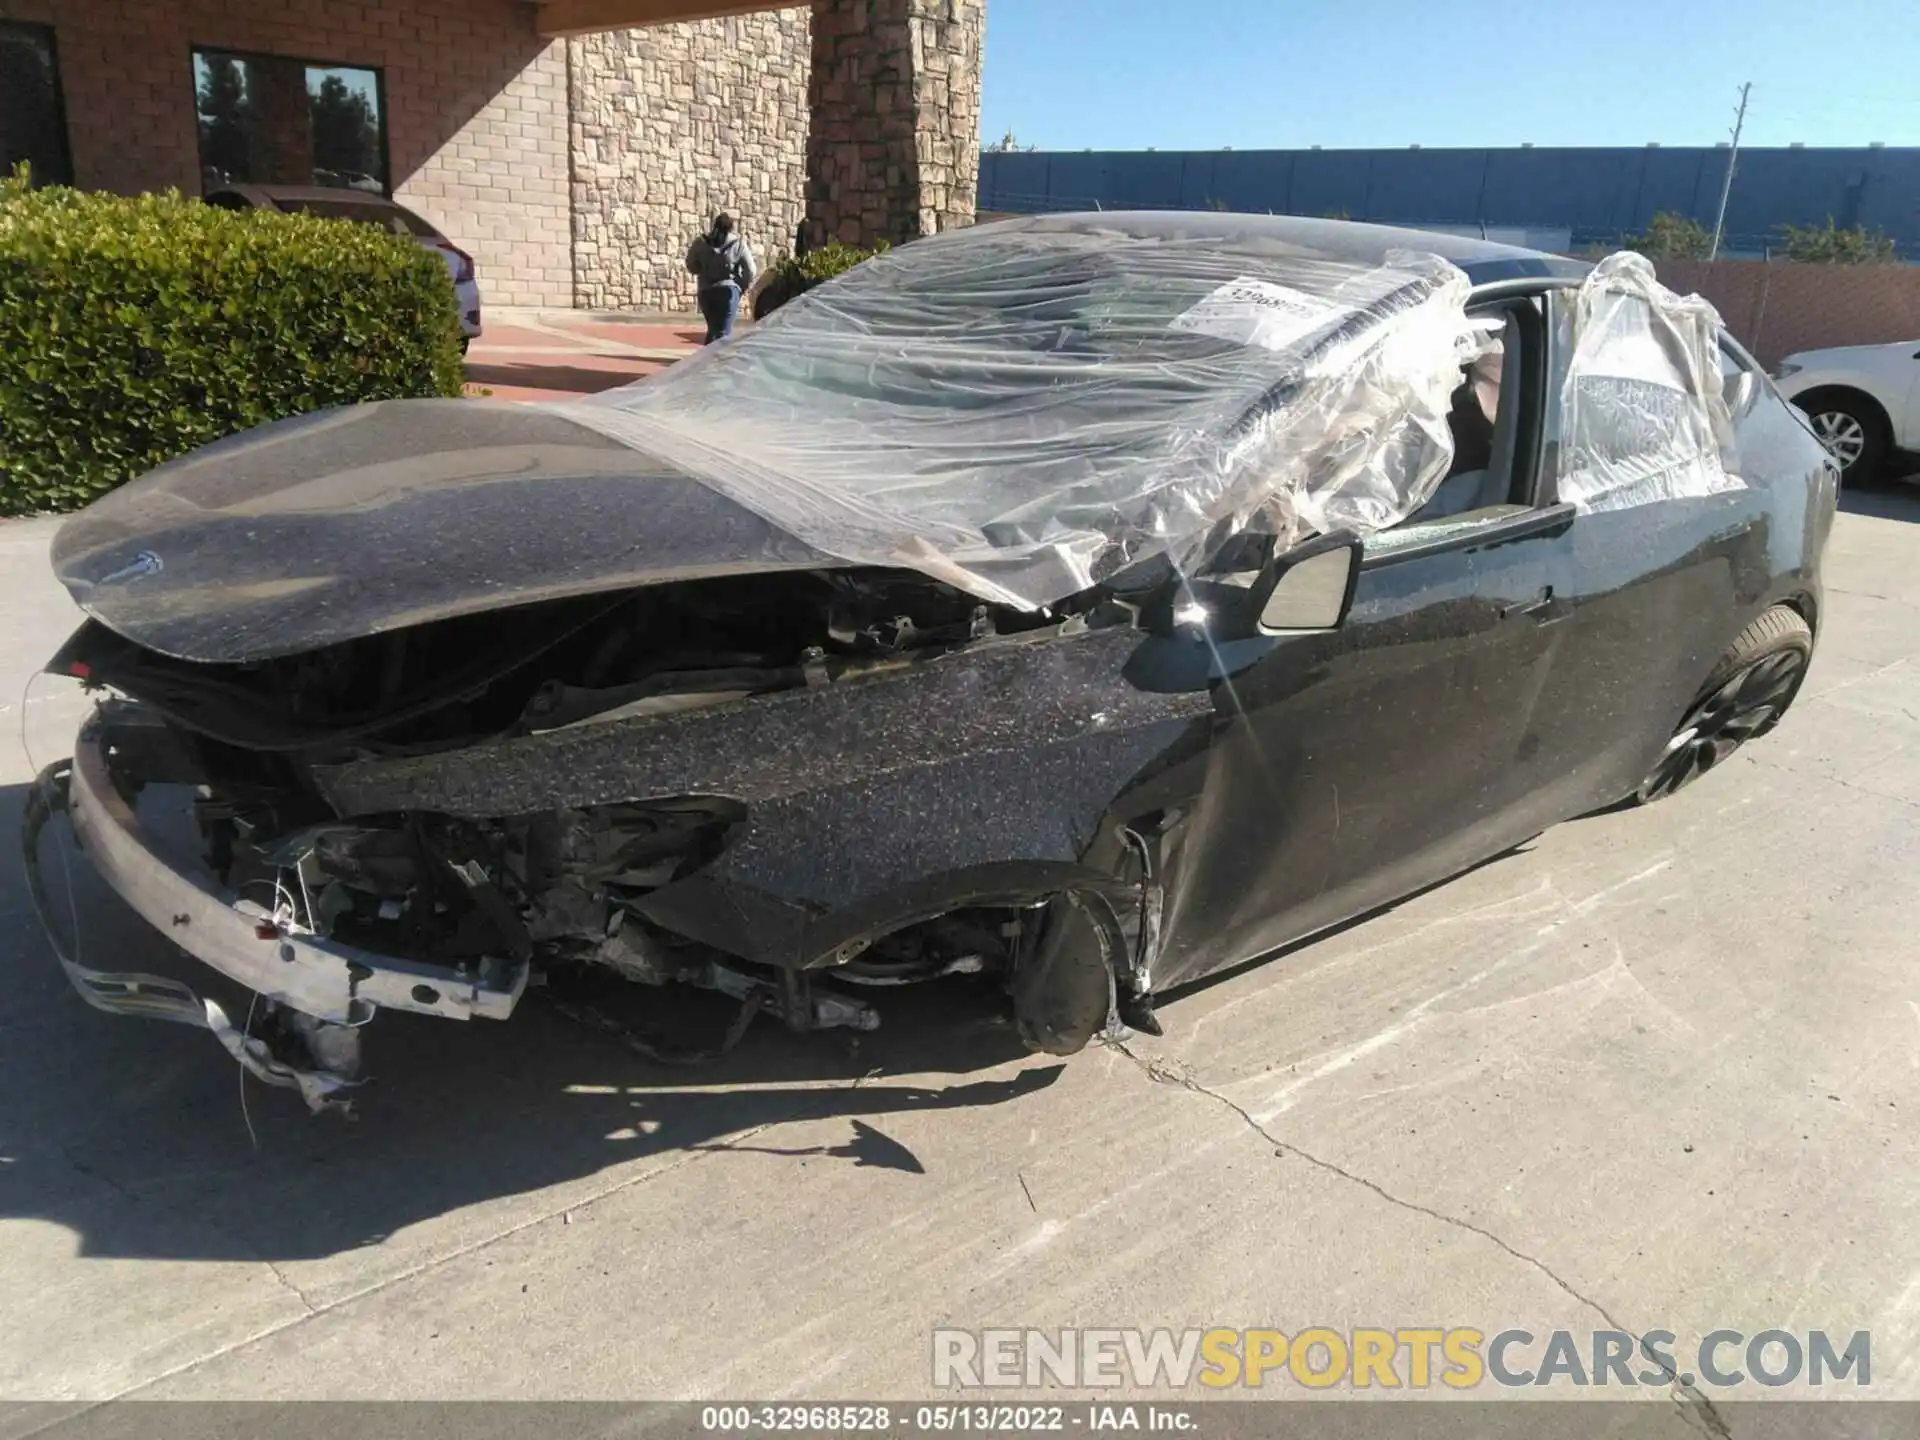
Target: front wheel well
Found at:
1858, 400
1802, 604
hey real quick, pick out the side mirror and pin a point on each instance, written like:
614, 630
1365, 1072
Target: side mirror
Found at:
1245, 593
1310, 587
1740, 394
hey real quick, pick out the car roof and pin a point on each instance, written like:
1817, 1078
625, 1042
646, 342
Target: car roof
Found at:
1485, 261
317, 192
265, 194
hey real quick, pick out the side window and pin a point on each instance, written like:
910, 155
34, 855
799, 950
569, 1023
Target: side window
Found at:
1494, 420
33, 116
1639, 404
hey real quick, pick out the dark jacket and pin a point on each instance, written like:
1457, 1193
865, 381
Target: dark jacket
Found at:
716, 265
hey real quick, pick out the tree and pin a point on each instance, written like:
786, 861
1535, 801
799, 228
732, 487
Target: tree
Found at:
1829, 245
1009, 144
1671, 236
346, 132
226, 119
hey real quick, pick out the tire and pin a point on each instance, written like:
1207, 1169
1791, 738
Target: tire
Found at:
1750, 688
466, 341
1853, 430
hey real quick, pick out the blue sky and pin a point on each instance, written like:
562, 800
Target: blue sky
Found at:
1276, 74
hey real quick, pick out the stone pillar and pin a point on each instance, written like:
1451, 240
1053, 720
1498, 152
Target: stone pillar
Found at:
893, 143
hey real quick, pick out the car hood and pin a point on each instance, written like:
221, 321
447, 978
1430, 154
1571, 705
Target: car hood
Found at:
1847, 354
350, 522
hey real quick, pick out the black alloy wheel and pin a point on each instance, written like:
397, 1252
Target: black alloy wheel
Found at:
1749, 691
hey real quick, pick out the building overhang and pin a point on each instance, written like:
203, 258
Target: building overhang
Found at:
582, 17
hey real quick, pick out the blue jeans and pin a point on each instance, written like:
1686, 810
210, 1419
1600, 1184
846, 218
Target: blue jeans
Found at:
721, 306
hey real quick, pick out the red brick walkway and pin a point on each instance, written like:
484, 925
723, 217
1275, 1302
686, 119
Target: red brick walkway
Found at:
549, 356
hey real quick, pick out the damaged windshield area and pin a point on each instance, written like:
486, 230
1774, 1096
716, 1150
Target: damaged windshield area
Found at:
1023, 410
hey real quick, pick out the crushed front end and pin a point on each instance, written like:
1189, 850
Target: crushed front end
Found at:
797, 790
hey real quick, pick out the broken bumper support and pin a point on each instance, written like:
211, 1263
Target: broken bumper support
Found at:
327, 984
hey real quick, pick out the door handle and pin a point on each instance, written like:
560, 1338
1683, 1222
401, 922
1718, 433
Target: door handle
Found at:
1536, 607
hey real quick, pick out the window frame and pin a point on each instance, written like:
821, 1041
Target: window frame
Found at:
64, 124
196, 48
1743, 362
1531, 302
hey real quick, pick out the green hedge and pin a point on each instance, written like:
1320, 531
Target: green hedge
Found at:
794, 277
135, 330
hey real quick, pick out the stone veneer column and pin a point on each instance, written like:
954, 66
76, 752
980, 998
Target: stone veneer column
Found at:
893, 138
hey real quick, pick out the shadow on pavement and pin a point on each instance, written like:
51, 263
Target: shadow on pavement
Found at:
1890, 500
130, 1133
1270, 957
574, 379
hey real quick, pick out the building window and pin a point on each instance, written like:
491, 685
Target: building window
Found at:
268, 120
33, 119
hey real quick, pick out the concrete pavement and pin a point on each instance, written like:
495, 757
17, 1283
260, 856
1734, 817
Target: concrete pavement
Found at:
1658, 1070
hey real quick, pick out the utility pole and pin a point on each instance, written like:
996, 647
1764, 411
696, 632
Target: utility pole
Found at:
1726, 186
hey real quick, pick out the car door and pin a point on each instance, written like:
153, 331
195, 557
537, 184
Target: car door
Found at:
1906, 390
1657, 591
1352, 768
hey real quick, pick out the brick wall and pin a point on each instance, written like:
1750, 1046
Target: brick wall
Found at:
670, 125
476, 108
576, 172
1777, 309
894, 144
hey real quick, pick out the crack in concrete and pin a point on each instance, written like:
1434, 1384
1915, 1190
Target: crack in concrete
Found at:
134, 1197
97, 1176
426, 1267
287, 1285
1695, 1405
1873, 595
1817, 778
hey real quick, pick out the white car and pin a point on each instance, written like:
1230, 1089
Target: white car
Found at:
1863, 402
334, 203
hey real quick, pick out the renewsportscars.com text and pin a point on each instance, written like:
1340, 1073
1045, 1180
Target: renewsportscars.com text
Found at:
1403, 1357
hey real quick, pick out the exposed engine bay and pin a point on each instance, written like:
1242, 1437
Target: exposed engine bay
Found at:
797, 789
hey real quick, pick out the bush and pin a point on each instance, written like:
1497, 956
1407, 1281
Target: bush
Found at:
135, 330
800, 274
1831, 245
1672, 236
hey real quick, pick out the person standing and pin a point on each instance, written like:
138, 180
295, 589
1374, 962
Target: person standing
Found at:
723, 269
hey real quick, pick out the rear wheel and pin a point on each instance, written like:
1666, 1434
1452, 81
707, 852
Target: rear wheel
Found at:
1852, 429
1744, 698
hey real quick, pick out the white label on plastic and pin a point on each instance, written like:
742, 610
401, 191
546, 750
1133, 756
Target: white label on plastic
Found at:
1258, 312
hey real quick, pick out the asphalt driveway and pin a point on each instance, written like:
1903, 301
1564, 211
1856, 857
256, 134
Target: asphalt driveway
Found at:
1658, 1069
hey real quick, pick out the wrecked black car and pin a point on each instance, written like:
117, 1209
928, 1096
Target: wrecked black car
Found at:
1087, 602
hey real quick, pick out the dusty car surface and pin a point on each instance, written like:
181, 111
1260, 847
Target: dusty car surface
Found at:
1086, 602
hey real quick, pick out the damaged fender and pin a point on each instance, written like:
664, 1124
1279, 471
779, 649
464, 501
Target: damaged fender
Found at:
982, 777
